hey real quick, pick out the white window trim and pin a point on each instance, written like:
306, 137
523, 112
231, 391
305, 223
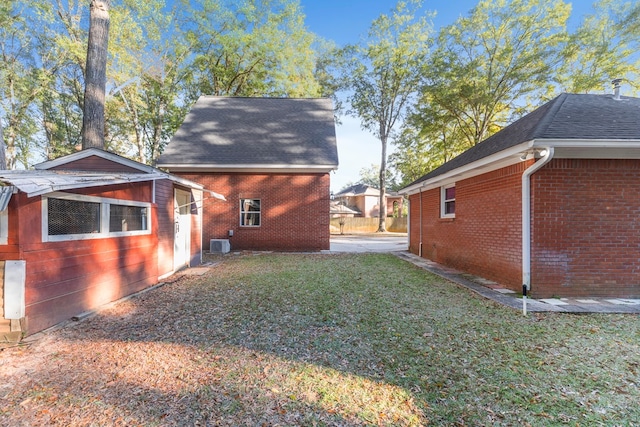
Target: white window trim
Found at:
443, 192
4, 227
104, 217
258, 212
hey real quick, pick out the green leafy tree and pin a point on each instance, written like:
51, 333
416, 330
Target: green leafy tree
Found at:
383, 74
160, 59
251, 48
21, 83
371, 176
486, 69
603, 48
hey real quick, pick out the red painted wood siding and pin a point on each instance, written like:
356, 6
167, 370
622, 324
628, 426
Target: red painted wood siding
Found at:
95, 163
586, 228
67, 278
165, 231
295, 210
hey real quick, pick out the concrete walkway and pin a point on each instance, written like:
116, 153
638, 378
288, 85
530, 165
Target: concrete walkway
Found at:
396, 243
495, 292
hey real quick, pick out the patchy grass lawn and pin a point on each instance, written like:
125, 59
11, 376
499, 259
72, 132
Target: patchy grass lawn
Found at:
337, 340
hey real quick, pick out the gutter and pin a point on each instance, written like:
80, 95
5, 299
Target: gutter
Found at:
526, 222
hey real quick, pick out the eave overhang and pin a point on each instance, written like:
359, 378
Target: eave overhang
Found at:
248, 168
564, 149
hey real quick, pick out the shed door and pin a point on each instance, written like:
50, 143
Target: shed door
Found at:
182, 228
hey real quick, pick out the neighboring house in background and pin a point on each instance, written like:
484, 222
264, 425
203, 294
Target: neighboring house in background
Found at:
551, 201
338, 210
366, 200
271, 157
87, 229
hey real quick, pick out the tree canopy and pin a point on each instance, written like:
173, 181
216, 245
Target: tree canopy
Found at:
432, 95
382, 74
502, 60
161, 57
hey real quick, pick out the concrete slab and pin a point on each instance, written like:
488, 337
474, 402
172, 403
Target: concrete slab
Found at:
369, 242
514, 300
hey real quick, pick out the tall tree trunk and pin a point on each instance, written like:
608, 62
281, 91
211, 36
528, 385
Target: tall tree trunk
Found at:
382, 226
96, 76
3, 157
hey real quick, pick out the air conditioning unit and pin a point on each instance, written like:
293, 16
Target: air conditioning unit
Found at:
219, 246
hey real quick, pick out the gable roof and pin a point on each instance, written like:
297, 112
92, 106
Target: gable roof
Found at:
363, 190
570, 120
358, 190
39, 182
95, 152
230, 133
47, 178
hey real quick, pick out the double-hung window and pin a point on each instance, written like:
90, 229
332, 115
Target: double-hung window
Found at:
76, 217
448, 201
250, 213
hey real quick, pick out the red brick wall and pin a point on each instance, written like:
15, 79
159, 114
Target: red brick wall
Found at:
484, 238
295, 210
586, 228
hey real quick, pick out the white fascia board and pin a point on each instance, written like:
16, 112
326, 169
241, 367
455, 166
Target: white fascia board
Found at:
564, 148
182, 181
487, 164
248, 168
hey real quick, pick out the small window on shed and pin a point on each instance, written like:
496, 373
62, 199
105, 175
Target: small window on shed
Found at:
73, 217
250, 212
127, 218
448, 198
78, 217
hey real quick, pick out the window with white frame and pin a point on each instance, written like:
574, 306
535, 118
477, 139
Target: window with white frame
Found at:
76, 217
250, 212
448, 201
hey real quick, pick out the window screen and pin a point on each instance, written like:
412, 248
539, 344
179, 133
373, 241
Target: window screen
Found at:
73, 217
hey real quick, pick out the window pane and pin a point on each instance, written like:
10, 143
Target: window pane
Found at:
127, 218
250, 212
450, 208
450, 193
73, 217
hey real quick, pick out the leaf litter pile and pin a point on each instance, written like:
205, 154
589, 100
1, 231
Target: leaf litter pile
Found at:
323, 340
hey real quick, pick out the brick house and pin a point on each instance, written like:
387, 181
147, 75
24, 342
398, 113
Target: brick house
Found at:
366, 200
87, 229
271, 158
551, 202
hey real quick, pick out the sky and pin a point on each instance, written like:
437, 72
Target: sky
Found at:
347, 21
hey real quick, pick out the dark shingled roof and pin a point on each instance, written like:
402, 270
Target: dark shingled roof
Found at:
258, 132
568, 116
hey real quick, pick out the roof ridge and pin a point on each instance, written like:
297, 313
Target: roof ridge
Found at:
544, 123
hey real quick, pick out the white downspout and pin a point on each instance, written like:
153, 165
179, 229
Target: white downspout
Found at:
408, 222
420, 244
526, 222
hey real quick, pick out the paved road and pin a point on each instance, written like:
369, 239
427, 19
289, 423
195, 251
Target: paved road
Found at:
383, 242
